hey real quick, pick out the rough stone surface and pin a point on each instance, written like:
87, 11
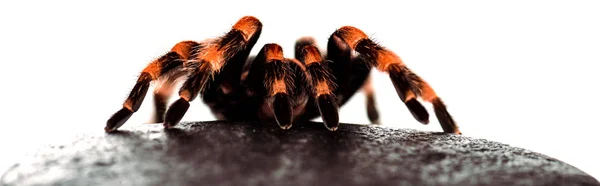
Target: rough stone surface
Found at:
218, 153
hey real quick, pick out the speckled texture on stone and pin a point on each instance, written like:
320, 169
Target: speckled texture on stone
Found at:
218, 153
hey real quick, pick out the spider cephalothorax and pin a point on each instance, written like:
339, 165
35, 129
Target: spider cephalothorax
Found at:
270, 88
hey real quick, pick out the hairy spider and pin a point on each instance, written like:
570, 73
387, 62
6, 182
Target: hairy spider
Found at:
273, 89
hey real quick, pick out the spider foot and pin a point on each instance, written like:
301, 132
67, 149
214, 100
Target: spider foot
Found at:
118, 119
282, 110
448, 124
329, 111
176, 111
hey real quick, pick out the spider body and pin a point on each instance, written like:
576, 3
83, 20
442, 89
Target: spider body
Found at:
271, 88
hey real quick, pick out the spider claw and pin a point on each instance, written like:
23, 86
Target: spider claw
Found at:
329, 111
282, 110
118, 119
175, 112
286, 127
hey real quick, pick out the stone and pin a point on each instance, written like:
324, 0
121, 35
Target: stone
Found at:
230, 153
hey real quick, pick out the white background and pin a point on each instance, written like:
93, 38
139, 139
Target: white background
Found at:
517, 72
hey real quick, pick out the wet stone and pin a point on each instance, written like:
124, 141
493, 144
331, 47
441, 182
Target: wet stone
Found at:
225, 153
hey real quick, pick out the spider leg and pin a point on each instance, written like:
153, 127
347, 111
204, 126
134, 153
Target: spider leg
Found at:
351, 73
369, 92
408, 85
208, 61
225, 94
167, 66
162, 93
195, 83
270, 76
322, 83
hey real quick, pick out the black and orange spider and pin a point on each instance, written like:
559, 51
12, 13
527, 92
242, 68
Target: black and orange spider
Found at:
273, 89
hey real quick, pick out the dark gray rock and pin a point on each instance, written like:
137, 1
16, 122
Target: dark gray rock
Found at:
218, 153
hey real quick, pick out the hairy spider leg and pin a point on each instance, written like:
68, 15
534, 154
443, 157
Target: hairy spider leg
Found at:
271, 79
321, 82
226, 95
164, 87
347, 76
352, 73
408, 85
210, 60
371, 104
167, 66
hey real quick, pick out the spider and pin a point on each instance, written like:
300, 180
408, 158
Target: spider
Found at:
270, 88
